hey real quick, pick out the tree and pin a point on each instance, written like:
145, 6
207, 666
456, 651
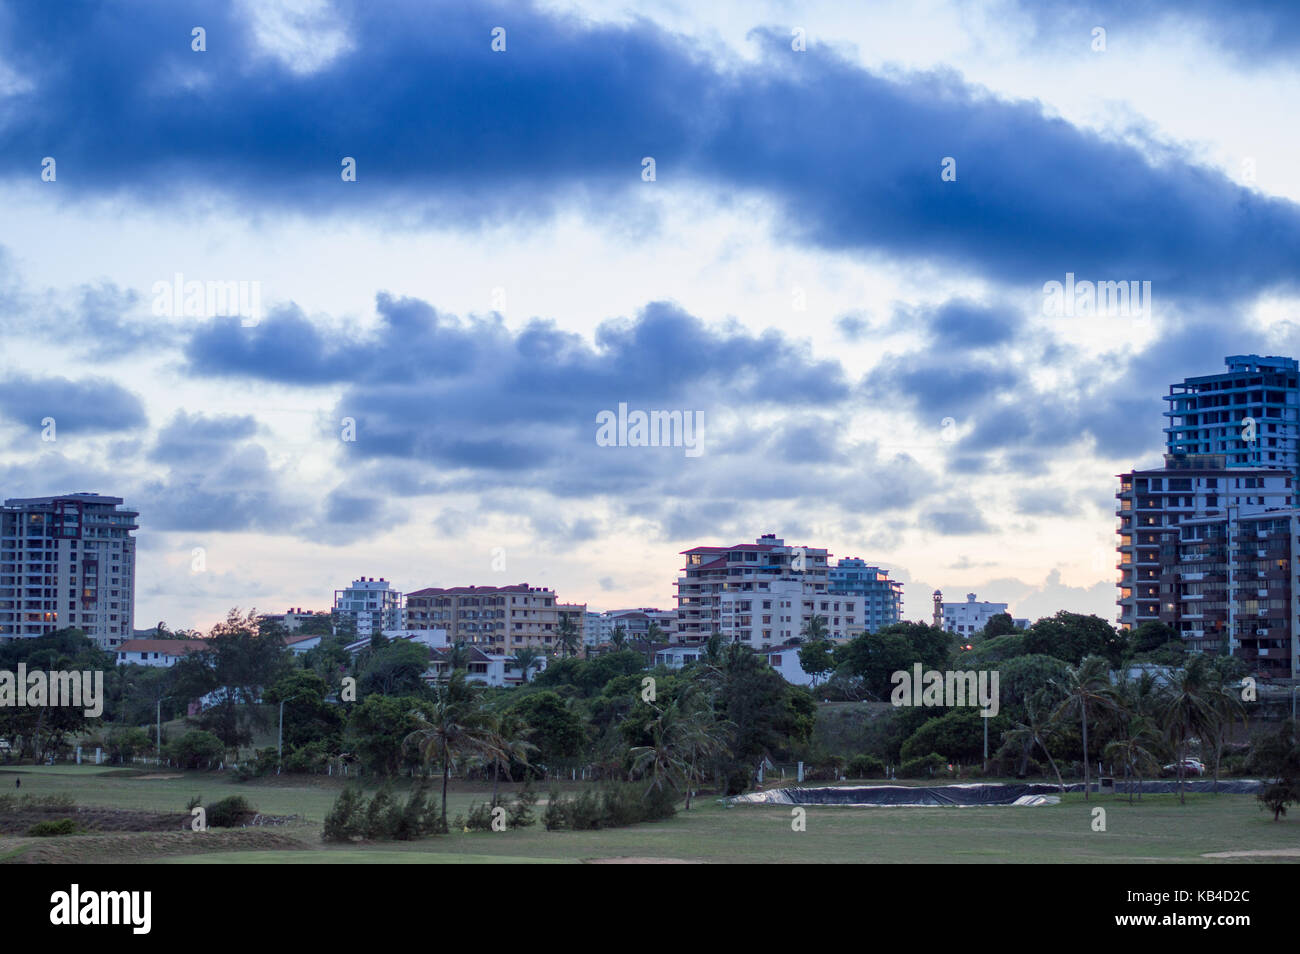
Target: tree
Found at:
454, 726
566, 636
1278, 758
999, 624
815, 659
307, 716
1033, 731
524, 659
232, 669
1087, 684
1135, 750
376, 728
395, 670
556, 730
1187, 713
814, 631
618, 637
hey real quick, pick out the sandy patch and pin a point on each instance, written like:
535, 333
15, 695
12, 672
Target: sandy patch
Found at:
1256, 853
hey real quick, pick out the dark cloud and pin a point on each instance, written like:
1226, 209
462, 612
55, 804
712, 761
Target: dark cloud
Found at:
458, 134
88, 406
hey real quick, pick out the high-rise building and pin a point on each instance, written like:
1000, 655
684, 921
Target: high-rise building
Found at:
498, 619
635, 623
1247, 413
882, 598
1153, 503
1226, 586
68, 562
373, 605
761, 593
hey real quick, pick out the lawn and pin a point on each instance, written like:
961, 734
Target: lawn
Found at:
1157, 829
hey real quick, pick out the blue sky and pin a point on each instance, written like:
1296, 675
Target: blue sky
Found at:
866, 339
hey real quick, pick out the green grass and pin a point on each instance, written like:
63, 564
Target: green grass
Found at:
1157, 829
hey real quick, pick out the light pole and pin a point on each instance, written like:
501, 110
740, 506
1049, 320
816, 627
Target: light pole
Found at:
279, 745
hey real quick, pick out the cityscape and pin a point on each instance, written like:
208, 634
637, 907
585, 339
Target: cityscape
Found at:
589, 432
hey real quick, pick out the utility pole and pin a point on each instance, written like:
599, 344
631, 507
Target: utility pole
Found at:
158, 731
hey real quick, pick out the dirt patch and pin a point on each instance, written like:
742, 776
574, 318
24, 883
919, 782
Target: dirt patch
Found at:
135, 847
97, 819
1255, 853
639, 860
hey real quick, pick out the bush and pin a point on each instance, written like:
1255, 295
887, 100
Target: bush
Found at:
46, 829
382, 815
866, 766
923, 767
196, 749
519, 813
312, 757
419, 816
341, 823
229, 812
479, 818
554, 816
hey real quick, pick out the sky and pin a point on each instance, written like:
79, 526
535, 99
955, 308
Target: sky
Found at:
464, 231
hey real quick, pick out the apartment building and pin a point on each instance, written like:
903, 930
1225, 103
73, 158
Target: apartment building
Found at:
1227, 584
968, 618
293, 619
762, 594
68, 562
372, 605
882, 598
494, 618
575, 613
635, 623
1153, 504
1208, 414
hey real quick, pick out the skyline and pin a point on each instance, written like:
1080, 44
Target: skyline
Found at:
873, 350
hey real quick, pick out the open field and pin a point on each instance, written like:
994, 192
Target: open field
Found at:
1156, 830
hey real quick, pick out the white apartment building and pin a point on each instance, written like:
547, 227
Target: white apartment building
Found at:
761, 594
68, 562
966, 619
372, 604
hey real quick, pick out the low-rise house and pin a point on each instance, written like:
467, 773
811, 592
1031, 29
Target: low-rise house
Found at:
157, 652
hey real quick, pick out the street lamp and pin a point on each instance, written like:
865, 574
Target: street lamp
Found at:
279, 745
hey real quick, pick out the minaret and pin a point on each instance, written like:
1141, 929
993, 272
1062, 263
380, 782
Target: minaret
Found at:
938, 609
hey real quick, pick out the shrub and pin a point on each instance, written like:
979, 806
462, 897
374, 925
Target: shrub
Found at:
923, 767
195, 749
342, 822
866, 766
419, 815
479, 818
554, 816
519, 813
46, 829
584, 810
229, 812
382, 815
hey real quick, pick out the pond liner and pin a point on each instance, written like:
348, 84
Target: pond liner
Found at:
971, 793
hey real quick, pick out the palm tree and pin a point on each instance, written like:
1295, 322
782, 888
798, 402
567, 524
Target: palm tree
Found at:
618, 637
1187, 713
566, 636
458, 656
524, 659
1225, 709
1084, 685
509, 746
1034, 731
815, 629
1135, 750
454, 726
